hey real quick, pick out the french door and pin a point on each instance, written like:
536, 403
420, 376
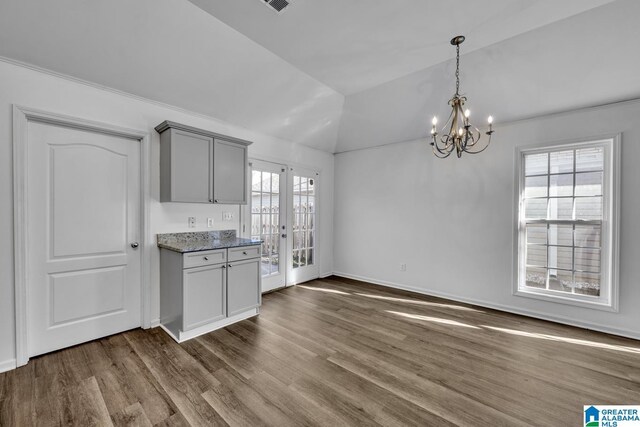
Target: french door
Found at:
268, 220
282, 213
302, 248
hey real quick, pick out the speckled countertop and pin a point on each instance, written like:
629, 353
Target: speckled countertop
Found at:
203, 241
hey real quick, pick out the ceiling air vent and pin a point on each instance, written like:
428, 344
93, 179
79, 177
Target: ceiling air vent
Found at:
278, 5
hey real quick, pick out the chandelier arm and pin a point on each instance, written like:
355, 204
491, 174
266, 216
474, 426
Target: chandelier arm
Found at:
474, 138
446, 148
441, 156
483, 148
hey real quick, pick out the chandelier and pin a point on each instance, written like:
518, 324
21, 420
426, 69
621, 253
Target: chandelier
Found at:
460, 133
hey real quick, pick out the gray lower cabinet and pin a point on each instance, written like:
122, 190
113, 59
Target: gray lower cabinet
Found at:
241, 290
203, 291
197, 166
204, 295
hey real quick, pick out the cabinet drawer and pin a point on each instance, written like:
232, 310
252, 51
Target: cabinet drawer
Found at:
203, 258
244, 252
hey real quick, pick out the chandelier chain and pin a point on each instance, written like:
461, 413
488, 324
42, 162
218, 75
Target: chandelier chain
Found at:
457, 69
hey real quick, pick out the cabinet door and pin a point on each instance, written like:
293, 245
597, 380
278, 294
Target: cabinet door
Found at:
243, 285
204, 295
191, 157
229, 172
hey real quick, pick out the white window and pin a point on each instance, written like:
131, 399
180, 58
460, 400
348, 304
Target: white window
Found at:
567, 223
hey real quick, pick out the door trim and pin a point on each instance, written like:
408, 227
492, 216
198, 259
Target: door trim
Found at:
21, 118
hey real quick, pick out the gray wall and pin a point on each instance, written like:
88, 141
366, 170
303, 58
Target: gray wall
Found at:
451, 221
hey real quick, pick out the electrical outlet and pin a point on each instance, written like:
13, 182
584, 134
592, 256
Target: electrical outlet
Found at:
403, 267
227, 216
192, 222
209, 222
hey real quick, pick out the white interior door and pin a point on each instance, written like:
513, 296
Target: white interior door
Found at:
268, 220
83, 225
302, 246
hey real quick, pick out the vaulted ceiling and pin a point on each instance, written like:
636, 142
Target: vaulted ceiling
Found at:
334, 75
353, 45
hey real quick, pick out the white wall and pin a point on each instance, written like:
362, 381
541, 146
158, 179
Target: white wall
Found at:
35, 89
451, 220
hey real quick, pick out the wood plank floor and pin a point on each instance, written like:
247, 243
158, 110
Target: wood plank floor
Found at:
333, 352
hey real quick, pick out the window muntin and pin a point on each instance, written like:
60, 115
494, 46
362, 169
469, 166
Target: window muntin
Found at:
562, 221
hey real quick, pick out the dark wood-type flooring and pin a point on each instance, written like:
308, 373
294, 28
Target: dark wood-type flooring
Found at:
333, 352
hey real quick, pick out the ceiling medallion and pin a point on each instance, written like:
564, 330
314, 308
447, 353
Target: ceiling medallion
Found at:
460, 133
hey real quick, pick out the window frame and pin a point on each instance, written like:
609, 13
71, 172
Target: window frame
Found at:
608, 299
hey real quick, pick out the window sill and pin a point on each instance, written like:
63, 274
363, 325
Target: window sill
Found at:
558, 298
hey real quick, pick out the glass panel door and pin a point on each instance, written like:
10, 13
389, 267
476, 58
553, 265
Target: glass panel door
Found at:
303, 253
268, 213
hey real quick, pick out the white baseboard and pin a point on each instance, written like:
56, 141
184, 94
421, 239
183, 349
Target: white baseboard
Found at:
154, 323
205, 329
8, 365
323, 275
486, 304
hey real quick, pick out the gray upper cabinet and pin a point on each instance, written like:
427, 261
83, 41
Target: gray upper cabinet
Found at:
197, 166
229, 181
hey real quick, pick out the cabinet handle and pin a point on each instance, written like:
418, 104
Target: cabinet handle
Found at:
230, 265
206, 258
215, 201
210, 200
224, 266
244, 252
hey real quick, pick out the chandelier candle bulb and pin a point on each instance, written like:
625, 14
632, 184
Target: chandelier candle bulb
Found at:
458, 133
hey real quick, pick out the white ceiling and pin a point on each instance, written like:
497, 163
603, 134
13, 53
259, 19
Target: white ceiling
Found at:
352, 45
173, 52
287, 75
578, 62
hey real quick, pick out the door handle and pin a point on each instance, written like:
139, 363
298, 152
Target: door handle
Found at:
134, 245
284, 236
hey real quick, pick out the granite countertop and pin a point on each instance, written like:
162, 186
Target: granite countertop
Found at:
203, 241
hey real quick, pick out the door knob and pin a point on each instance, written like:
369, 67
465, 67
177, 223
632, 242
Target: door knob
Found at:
134, 245
284, 236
